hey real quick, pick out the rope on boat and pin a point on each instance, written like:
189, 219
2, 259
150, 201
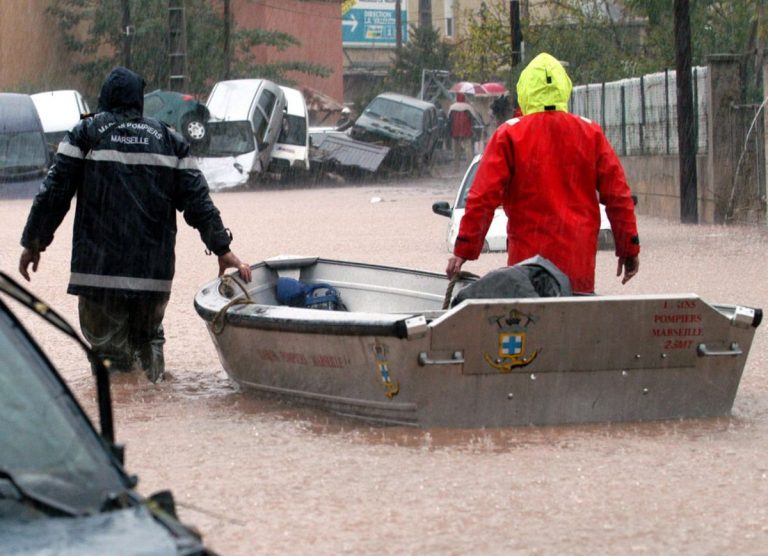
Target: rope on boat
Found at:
460, 275
219, 321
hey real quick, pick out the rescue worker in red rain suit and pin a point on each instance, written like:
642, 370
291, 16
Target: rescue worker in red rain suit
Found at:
548, 169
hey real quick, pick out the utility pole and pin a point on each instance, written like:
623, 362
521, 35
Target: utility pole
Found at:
685, 125
227, 35
177, 42
515, 31
398, 25
127, 34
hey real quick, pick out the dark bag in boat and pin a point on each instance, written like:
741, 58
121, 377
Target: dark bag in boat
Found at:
534, 277
310, 296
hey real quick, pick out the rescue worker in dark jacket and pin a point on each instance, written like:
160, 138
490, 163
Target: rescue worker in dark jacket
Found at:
130, 174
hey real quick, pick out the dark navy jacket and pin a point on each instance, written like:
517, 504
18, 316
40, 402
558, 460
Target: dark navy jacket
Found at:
130, 174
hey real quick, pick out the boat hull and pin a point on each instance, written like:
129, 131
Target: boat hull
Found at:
486, 362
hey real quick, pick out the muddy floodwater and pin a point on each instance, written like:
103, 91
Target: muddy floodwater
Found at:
260, 476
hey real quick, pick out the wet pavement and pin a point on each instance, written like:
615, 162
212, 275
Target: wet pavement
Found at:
259, 475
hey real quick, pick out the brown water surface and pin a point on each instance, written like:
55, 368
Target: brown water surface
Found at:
260, 476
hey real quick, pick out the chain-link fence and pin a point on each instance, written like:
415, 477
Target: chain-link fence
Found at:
639, 115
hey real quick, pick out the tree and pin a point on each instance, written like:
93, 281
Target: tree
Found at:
423, 50
92, 30
484, 50
601, 42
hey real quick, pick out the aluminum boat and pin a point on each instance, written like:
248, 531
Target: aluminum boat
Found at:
396, 356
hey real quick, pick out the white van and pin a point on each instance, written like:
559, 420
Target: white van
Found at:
59, 112
291, 151
246, 117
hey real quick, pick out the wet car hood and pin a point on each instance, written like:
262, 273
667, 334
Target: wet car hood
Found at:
23, 187
388, 129
221, 172
133, 530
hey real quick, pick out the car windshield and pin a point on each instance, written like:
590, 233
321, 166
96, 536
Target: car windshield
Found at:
48, 448
466, 185
396, 112
294, 131
229, 139
22, 152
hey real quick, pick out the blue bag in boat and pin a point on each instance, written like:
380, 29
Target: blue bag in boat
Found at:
311, 296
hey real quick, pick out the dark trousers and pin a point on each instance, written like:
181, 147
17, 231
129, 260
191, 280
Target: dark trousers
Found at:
126, 331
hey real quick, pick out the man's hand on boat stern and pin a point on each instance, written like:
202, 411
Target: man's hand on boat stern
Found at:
630, 266
230, 260
454, 266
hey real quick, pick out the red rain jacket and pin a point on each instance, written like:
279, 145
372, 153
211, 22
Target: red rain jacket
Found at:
548, 169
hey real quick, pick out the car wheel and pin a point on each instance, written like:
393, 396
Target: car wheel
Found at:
194, 129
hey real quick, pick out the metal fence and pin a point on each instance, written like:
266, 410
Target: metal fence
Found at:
639, 114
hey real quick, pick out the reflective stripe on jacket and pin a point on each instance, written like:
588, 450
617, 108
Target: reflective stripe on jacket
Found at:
130, 175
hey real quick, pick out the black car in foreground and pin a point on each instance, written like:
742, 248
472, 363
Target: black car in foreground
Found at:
63, 489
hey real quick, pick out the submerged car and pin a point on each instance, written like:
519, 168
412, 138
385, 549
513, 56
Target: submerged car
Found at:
496, 238
182, 112
24, 155
246, 120
291, 151
63, 488
409, 126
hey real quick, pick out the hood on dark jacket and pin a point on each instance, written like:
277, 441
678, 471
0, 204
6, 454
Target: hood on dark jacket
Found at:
122, 92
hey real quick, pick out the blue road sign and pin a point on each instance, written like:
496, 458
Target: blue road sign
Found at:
372, 23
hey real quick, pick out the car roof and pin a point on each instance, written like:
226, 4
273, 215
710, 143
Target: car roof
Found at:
58, 110
18, 113
295, 103
396, 97
232, 100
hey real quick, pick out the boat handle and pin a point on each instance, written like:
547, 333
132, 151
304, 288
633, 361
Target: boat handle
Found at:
457, 357
704, 351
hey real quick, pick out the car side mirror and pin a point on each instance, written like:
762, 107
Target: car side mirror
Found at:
634, 199
443, 208
165, 501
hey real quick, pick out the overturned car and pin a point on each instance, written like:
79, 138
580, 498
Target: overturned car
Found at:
407, 125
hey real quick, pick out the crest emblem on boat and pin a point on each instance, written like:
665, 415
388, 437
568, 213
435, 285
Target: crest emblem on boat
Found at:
511, 340
392, 387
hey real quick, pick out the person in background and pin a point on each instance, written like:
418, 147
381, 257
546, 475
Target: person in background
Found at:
345, 120
130, 175
462, 121
548, 169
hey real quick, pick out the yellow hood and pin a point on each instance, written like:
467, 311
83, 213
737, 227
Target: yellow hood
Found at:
543, 84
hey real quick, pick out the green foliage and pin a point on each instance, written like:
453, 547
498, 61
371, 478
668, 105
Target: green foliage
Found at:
92, 30
423, 50
484, 51
602, 45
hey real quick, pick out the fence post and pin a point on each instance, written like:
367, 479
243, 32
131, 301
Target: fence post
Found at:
666, 105
724, 90
765, 137
696, 109
602, 105
642, 115
623, 124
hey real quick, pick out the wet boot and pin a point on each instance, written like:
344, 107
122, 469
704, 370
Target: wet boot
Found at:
153, 360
